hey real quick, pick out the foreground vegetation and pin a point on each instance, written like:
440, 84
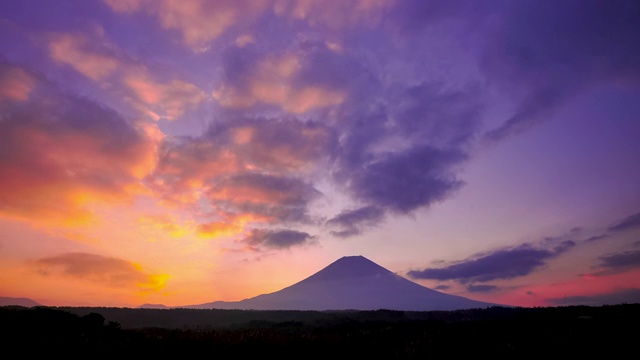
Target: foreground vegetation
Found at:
610, 331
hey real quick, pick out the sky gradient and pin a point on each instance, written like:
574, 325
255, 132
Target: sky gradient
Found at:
183, 152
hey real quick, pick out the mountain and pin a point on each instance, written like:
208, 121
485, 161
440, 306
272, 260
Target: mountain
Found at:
153, 306
6, 301
352, 283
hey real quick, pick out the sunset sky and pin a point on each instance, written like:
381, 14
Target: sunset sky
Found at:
179, 152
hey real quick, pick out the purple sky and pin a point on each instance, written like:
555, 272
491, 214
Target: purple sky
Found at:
181, 152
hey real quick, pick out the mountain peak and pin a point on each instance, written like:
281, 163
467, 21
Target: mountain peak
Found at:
348, 267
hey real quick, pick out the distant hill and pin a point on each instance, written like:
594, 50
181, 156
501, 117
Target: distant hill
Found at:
6, 301
153, 306
352, 283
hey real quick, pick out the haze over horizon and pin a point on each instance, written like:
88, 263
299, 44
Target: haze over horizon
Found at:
184, 152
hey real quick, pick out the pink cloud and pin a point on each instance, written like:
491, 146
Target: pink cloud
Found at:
15, 83
198, 21
81, 53
275, 80
152, 95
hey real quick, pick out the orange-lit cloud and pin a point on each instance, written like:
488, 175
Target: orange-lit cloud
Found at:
165, 223
62, 154
186, 167
163, 100
218, 229
109, 271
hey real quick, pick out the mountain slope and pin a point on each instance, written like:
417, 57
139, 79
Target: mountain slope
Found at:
7, 301
352, 283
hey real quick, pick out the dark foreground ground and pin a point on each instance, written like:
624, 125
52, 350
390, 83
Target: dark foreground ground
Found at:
608, 331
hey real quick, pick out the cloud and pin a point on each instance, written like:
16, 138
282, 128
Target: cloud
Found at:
481, 288
154, 95
198, 21
274, 80
165, 223
628, 223
277, 239
112, 272
280, 145
623, 296
596, 238
569, 48
407, 180
16, 83
90, 58
620, 262
352, 222
505, 263
246, 171
334, 14
280, 198
55, 150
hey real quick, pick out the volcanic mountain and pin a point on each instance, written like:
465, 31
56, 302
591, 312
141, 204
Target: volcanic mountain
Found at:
352, 283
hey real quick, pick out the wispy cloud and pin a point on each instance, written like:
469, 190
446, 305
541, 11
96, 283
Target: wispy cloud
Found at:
628, 223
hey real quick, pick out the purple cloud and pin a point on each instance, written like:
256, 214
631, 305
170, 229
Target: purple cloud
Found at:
481, 288
557, 50
628, 223
277, 239
621, 261
501, 264
407, 180
352, 222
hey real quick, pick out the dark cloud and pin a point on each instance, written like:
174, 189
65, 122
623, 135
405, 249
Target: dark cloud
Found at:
407, 180
626, 296
501, 264
628, 223
622, 261
481, 288
556, 50
277, 239
352, 222
442, 287
110, 271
